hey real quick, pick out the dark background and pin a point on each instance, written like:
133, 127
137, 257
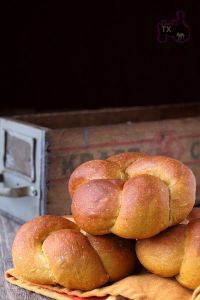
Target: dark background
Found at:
95, 54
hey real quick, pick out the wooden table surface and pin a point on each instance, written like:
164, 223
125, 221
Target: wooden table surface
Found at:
8, 291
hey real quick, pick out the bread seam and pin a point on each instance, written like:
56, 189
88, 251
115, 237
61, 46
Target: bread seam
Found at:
87, 236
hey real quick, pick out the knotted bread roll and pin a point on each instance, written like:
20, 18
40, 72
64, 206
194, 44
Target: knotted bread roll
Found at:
51, 250
195, 214
131, 195
174, 252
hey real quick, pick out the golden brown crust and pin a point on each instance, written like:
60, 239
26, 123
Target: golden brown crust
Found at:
73, 261
96, 204
131, 194
177, 176
94, 169
103, 245
27, 247
163, 253
52, 250
174, 252
136, 211
127, 158
189, 274
195, 214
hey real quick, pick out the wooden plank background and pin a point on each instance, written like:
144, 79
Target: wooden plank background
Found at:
8, 291
67, 148
108, 116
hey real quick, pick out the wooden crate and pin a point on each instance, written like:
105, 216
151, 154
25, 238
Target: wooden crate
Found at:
52, 145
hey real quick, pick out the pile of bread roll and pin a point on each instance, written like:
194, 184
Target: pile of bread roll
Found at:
126, 208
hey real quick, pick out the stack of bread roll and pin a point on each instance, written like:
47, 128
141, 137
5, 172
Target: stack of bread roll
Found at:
130, 207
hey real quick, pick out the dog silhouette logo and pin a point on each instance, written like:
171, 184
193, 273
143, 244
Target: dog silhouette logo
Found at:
176, 29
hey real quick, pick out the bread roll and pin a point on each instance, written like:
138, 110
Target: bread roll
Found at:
174, 252
51, 250
131, 195
195, 214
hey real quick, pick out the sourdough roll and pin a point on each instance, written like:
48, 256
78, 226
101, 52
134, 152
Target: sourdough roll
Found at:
174, 252
51, 250
131, 194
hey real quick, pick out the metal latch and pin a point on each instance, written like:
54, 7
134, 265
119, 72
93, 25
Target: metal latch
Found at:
16, 192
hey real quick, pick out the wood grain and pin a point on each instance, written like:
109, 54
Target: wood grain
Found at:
68, 148
72, 138
110, 116
8, 230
